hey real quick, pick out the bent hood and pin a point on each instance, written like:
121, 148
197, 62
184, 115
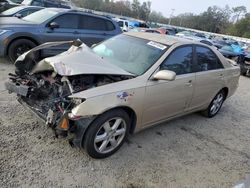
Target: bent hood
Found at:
78, 60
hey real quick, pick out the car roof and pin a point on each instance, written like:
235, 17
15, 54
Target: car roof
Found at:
63, 10
164, 39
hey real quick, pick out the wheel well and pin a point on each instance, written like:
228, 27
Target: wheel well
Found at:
15, 39
225, 89
132, 115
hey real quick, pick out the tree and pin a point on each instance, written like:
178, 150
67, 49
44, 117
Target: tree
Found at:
239, 12
136, 8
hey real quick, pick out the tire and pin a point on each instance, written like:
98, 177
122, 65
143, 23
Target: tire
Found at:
18, 47
215, 105
103, 138
243, 73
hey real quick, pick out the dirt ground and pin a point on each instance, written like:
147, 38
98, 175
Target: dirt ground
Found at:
191, 151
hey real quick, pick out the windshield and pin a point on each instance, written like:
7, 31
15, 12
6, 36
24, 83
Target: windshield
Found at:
26, 2
12, 10
132, 54
40, 16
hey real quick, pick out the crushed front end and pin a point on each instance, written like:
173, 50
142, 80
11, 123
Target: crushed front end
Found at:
45, 86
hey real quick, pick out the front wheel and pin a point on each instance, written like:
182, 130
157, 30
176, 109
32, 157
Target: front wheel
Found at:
215, 105
107, 134
18, 47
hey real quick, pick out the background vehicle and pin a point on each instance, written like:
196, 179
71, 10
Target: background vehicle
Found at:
53, 24
7, 4
48, 3
20, 11
124, 24
123, 85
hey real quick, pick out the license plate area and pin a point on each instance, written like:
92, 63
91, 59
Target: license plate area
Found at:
18, 89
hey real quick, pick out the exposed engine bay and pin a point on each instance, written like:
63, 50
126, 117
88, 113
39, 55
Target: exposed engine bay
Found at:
46, 92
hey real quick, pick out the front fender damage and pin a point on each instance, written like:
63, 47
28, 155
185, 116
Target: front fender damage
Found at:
49, 87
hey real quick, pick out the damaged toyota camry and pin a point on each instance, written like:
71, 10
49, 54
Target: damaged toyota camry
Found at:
98, 96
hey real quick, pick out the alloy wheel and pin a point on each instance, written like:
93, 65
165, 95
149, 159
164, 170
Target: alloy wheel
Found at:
110, 135
217, 103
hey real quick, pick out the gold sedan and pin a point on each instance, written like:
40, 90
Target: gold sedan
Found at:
126, 84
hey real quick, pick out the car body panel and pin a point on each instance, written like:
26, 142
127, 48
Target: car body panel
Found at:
164, 99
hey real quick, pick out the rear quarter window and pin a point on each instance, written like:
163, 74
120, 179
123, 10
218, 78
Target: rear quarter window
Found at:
207, 59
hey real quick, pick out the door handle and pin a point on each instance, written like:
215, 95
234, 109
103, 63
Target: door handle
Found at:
189, 83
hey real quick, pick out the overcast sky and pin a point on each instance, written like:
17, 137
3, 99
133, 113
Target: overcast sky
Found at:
194, 6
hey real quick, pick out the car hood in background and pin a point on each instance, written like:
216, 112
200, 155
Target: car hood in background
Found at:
14, 22
78, 61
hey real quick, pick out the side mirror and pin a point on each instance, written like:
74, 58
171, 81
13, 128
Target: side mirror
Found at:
18, 15
53, 25
165, 75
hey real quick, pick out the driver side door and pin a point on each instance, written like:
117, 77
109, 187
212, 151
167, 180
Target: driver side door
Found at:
166, 99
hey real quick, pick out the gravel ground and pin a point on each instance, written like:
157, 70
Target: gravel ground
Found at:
191, 151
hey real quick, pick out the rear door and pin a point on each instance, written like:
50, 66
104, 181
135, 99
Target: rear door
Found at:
67, 31
209, 76
95, 30
165, 99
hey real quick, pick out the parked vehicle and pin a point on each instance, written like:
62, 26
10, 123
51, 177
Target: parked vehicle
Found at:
124, 24
48, 3
7, 4
20, 11
53, 24
170, 30
245, 66
242, 58
121, 86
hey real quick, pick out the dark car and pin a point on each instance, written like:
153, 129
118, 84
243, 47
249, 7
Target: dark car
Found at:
7, 4
20, 11
48, 3
243, 59
53, 24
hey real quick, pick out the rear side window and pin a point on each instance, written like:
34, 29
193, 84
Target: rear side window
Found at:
206, 59
37, 3
67, 21
92, 23
110, 26
180, 61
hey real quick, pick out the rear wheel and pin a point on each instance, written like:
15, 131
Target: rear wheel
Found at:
107, 134
18, 47
215, 105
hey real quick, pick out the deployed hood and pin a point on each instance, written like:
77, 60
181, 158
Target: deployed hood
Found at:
78, 60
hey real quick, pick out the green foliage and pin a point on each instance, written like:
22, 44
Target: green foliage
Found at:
241, 28
121, 7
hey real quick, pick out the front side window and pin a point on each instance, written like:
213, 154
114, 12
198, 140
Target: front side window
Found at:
179, 61
206, 59
67, 21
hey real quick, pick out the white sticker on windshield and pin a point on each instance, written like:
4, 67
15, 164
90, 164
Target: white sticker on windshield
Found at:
157, 45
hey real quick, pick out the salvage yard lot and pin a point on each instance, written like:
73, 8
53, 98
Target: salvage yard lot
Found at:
191, 151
